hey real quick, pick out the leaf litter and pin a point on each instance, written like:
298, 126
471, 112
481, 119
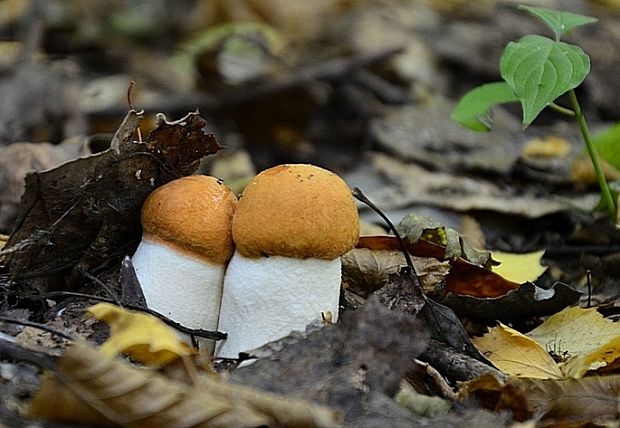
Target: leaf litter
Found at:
361, 372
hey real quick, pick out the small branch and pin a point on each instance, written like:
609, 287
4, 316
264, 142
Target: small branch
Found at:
100, 283
206, 334
37, 325
357, 193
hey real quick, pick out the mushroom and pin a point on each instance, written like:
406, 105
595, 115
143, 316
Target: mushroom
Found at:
186, 244
292, 224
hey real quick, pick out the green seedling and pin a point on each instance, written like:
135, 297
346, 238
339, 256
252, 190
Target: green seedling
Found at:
536, 71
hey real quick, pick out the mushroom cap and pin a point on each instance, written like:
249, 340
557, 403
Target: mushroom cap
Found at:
194, 215
298, 211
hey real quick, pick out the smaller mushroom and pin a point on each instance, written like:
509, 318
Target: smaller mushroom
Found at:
186, 244
292, 224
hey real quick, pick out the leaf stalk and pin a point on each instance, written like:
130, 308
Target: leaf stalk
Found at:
562, 110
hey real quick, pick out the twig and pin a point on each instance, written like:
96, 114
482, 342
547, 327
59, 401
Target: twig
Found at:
357, 193
100, 283
206, 334
37, 325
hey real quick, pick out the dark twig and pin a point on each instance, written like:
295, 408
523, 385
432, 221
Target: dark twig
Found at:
129, 91
589, 281
206, 334
357, 193
37, 325
100, 283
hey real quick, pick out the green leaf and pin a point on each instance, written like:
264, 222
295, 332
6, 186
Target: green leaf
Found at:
539, 70
607, 145
474, 110
560, 22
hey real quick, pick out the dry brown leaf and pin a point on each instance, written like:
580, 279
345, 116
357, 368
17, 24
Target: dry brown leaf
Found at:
463, 277
90, 207
134, 397
471, 231
366, 270
572, 402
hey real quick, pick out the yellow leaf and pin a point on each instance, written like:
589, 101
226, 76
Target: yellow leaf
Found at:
516, 354
142, 336
588, 339
546, 148
601, 357
3, 240
519, 268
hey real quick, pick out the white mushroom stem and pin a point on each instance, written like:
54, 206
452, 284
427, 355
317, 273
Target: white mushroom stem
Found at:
184, 288
266, 298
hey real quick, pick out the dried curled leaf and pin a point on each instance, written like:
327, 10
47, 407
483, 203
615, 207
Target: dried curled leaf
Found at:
366, 270
460, 275
133, 397
89, 208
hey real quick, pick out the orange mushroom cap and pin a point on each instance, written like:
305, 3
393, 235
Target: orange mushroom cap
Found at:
297, 211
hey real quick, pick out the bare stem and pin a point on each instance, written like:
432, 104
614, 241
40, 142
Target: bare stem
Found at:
600, 176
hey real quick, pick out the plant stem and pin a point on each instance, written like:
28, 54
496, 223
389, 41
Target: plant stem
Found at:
600, 176
563, 110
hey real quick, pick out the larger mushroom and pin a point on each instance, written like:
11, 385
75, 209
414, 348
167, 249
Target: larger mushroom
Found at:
292, 224
186, 244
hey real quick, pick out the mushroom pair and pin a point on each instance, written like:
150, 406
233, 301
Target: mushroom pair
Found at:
290, 227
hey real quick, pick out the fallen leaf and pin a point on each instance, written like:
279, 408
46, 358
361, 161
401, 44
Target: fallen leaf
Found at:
463, 277
591, 401
547, 147
602, 357
365, 270
405, 184
17, 159
422, 133
90, 207
423, 405
516, 354
134, 397
519, 268
414, 227
354, 366
140, 335
587, 339
525, 301
582, 170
